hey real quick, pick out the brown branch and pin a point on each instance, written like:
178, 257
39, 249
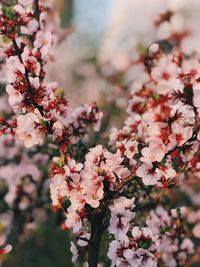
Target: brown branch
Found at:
37, 12
96, 221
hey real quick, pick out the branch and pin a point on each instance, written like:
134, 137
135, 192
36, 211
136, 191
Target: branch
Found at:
96, 221
40, 108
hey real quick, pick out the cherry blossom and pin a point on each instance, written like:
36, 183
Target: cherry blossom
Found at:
125, 189
14, 68
30, 130
44, 42
121, 215
139, 250
15, 97
148, 174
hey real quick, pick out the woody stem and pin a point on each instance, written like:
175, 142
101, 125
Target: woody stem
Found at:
95, 239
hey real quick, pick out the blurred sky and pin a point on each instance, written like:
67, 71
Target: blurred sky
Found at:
91, 19
109, 25
91, 16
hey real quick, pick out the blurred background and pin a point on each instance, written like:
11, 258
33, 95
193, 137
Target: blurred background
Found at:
107, 35
110, 32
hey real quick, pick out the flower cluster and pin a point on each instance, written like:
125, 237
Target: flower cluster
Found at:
170, 227
138, 250
41, 107
121, 216
123, 187
164, 118
86, 185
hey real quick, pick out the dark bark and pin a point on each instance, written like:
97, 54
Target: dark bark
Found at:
95, 239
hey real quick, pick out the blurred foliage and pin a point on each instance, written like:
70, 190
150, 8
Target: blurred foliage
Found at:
47, 246
65, 9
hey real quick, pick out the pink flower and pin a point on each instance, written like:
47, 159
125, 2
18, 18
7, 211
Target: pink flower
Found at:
121, 215
26, 3
187, 246
143, 255
169, 247
113, 135
158, 218
98, 119
93, 194
115, 247
35, 82
180, 134
140, 258
73, 220
163, 73
119, 226
15, 97
154, 48
74, 252
191, 67
112, 162
45, 42
94, 156
72, 169
131, 148
28, 131
122, 204
14, 69
155, 152
138, 251
77, 198
177, 85
30, 28
196, 96
148, 174
166, 172
58, 189
122, 173
30, 62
